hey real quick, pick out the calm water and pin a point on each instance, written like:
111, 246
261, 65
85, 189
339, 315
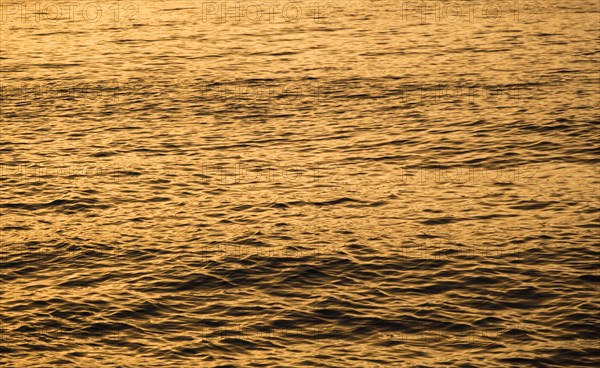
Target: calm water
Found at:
190, 184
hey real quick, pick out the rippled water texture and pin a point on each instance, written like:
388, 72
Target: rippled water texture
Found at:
331, 184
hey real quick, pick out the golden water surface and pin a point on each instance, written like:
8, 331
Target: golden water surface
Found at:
359, 183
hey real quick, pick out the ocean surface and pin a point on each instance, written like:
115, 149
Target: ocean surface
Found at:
366, 183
